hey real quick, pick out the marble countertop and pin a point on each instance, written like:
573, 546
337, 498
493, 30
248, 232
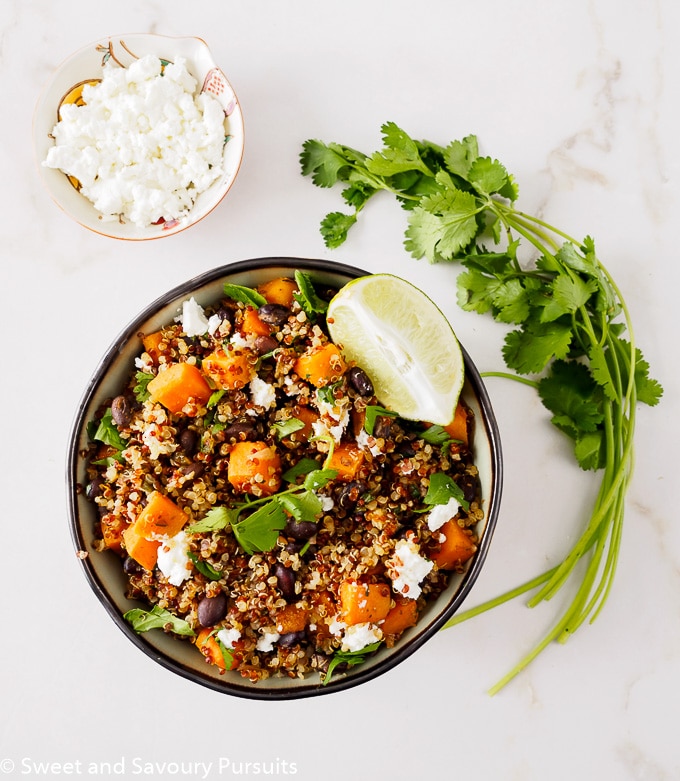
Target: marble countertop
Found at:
580, 101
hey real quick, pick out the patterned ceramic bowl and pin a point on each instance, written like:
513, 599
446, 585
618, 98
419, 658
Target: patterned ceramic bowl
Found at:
86, 66
104, 572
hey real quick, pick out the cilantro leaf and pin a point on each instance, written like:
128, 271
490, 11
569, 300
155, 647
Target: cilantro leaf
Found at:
157, 618
284, 428
204, 567
401, 153
260, 530
318, 478
326, 163
215, 519
372, 413
334, 228
572, 395
305, 506
567, 294
142, 379
303, 467
488, 176
441, 236
244, 295
307, 297
442, 488
530, 349
349, 658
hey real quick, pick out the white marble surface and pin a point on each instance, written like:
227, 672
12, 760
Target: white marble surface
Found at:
580, 101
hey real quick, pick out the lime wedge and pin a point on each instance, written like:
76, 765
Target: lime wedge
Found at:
401, 339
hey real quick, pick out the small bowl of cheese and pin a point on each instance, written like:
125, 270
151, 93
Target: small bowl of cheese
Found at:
139, 136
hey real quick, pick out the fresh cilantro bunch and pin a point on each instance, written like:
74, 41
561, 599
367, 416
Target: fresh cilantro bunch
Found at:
570, 334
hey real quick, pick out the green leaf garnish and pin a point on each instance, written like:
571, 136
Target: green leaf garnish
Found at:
307, 298
157, 618
303, 467
350, 658
215, 519
260, 530
244, 295
373, 411
142, 379
442, 488
435, 435
204, 567
284, 428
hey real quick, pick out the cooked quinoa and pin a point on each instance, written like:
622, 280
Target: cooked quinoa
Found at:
353, 550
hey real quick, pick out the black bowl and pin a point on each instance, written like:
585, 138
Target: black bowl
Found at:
104, 572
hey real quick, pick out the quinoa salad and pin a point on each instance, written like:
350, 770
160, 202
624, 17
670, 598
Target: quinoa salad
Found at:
264, 506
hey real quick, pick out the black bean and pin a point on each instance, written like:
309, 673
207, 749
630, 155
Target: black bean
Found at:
289, 639
195, 469
273, 314
212, 609
285, 580
301, 530
360, 381
265, 344
188, 440
382, 427
226, 313
470, 486
131, 567
239, 431
94, 488
351, 493
121, 411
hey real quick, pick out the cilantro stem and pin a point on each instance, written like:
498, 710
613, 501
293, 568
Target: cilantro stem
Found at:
510, 376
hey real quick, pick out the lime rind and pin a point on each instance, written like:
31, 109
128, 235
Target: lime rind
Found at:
399, 336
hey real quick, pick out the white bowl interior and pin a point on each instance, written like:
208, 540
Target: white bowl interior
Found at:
104, 569
87, 64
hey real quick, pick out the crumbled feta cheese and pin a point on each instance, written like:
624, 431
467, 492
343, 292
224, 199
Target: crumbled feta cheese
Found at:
266, 640
358, 636
441, 513
367, 442
336, 627
241, 342
321, 429
193, 319
262, 393
173, 558
214, 322
327, 503
409, 567
228, 636
143, 145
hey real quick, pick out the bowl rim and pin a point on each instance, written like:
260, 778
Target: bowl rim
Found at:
235, 687
40, 104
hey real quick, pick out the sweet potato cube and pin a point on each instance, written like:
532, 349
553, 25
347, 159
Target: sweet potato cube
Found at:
207, 644
252, 325
347, 459
151, 344
458, 429
143, 551
177, 385
112, 527
307, 416
403, 615
292, 618
457, 547
321, 366
160, 517
364, 602
230, 369
279, 291
255, 468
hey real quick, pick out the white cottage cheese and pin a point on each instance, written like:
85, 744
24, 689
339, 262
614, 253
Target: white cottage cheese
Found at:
441, 513
144, 145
